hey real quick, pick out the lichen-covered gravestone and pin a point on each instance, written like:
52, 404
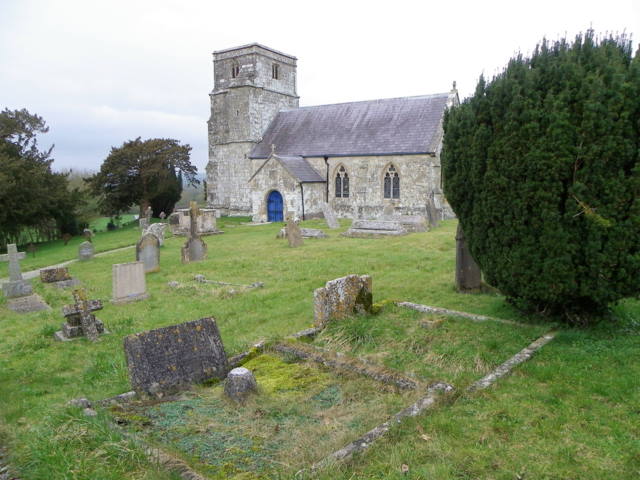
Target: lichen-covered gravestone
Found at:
16, 286
85, 251
58, 277
194, 249
329, 216
129, 283
148, 252
468, 275
79, 319
433, 215
294, 235
156, 229
341, 298
240, 383
172, 358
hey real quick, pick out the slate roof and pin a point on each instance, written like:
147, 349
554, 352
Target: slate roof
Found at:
298, 167
378, 127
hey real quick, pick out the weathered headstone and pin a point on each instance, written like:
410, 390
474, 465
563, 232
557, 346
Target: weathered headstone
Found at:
32, 249
79, 319
329, 216
156, 229
87, 234
58, 277
433, 215
194, 249
170, 358
16, 286
162, 215
240, 383
341, 298
148, 252
294, 235
206, 222
129, 284
85, 251
468, 275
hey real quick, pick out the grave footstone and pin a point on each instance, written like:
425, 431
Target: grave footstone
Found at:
171, 358
148, 252
194, 249
239, 384
129, 284
294, 235
16, 286
58, 277
468, 275
341, 298
85, 251
80, 321
329, 216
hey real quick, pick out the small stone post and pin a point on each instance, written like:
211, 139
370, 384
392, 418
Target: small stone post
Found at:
468, 275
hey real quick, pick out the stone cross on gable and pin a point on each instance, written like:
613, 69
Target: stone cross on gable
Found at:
194, 211
13, 256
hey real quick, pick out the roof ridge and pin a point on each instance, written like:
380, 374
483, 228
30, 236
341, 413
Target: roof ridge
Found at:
413, 97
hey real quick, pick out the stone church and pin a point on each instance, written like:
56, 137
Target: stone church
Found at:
268, 156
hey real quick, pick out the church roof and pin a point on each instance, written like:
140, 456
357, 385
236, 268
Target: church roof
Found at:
407, 125
297, 167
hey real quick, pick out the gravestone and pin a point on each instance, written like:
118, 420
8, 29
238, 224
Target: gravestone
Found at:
66, 237
468, 275
329, 216
239, 384
28, 304
58, 277
341, 298
156, 229
194, 249
16, 286
305, 232
85, 251
171, 358
375, 229
162, 215
87, 234
148, 252
433, 215
294, 235
79, 319
129, 284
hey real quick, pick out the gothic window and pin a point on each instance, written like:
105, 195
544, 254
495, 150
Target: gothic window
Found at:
235, 71
391, 183
274, 71
342, 183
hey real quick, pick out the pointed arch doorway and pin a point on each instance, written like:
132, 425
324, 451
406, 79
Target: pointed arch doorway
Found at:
274, 207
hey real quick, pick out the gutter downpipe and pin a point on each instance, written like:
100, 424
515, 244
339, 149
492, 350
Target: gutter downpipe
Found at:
302, 197
326, 192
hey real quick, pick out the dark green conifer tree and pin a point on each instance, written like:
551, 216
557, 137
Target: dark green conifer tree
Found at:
541, 167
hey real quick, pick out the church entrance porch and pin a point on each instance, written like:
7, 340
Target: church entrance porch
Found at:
274, 207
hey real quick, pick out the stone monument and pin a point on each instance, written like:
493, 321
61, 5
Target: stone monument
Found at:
79, 319
330, 216
468, 275
129, 284
85, 251
194, 249
156, 229
16, 286
148, 252
58, 277
171, 358
294, 235
341, 298
240, 383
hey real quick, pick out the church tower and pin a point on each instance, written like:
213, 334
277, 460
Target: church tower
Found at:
252, 83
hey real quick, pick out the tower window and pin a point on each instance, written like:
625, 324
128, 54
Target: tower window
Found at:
235, 71
391, 183
275, 71
342, 183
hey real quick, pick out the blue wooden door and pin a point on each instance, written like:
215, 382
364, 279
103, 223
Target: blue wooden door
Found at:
274, 207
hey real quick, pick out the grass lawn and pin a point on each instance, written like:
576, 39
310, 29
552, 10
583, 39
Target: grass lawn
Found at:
571, 412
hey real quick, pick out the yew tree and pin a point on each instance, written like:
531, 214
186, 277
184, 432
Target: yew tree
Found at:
143, 173
541, 167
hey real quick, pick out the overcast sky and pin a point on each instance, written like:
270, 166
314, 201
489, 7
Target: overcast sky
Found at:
103, 72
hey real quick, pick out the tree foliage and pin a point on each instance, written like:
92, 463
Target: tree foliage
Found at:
145, 173
541, 167
33, 197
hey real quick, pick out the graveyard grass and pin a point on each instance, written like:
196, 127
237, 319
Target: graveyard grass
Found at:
570, 412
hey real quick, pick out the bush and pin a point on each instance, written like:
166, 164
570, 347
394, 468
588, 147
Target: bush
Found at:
541, 167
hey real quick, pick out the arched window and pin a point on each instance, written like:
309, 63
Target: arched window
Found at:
391, 183
235, 70
342, 183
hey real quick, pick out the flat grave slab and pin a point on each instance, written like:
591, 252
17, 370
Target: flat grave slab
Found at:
27, 304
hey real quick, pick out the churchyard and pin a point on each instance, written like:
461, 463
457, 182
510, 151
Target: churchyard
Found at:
570, 411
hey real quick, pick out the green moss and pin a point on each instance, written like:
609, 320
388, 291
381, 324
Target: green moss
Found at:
277, 377
379, 306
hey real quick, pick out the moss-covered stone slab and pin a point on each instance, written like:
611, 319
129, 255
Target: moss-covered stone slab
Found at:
172, 358
341, 298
